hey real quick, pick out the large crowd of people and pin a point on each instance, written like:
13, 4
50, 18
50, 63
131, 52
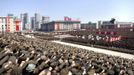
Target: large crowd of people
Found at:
90, 37
125, 45
31, 56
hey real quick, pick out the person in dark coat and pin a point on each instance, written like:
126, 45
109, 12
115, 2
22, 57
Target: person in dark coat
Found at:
16, 70
4, 60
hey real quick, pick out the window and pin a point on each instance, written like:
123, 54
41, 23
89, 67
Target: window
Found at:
3, 20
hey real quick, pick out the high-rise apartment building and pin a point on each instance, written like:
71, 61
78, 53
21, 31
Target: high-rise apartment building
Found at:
32, 23
38, 19
24, 20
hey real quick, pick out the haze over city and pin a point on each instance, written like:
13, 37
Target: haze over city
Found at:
85, 10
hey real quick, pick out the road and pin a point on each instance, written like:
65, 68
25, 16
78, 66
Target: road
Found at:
98, 50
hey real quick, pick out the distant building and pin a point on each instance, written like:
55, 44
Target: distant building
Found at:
125, 24
98, 24
88, 25
7, 24
32, 23
24, 20
38, 20
28, 26
18, 26
10, 24
109, 25
11, 15
2, 24
45, 19
61, 26
105, 25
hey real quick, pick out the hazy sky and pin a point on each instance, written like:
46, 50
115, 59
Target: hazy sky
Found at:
86, 10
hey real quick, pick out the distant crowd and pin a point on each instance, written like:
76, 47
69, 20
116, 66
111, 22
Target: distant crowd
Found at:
31, 56
92, 37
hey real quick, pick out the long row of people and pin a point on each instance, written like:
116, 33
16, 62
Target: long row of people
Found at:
123, 41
